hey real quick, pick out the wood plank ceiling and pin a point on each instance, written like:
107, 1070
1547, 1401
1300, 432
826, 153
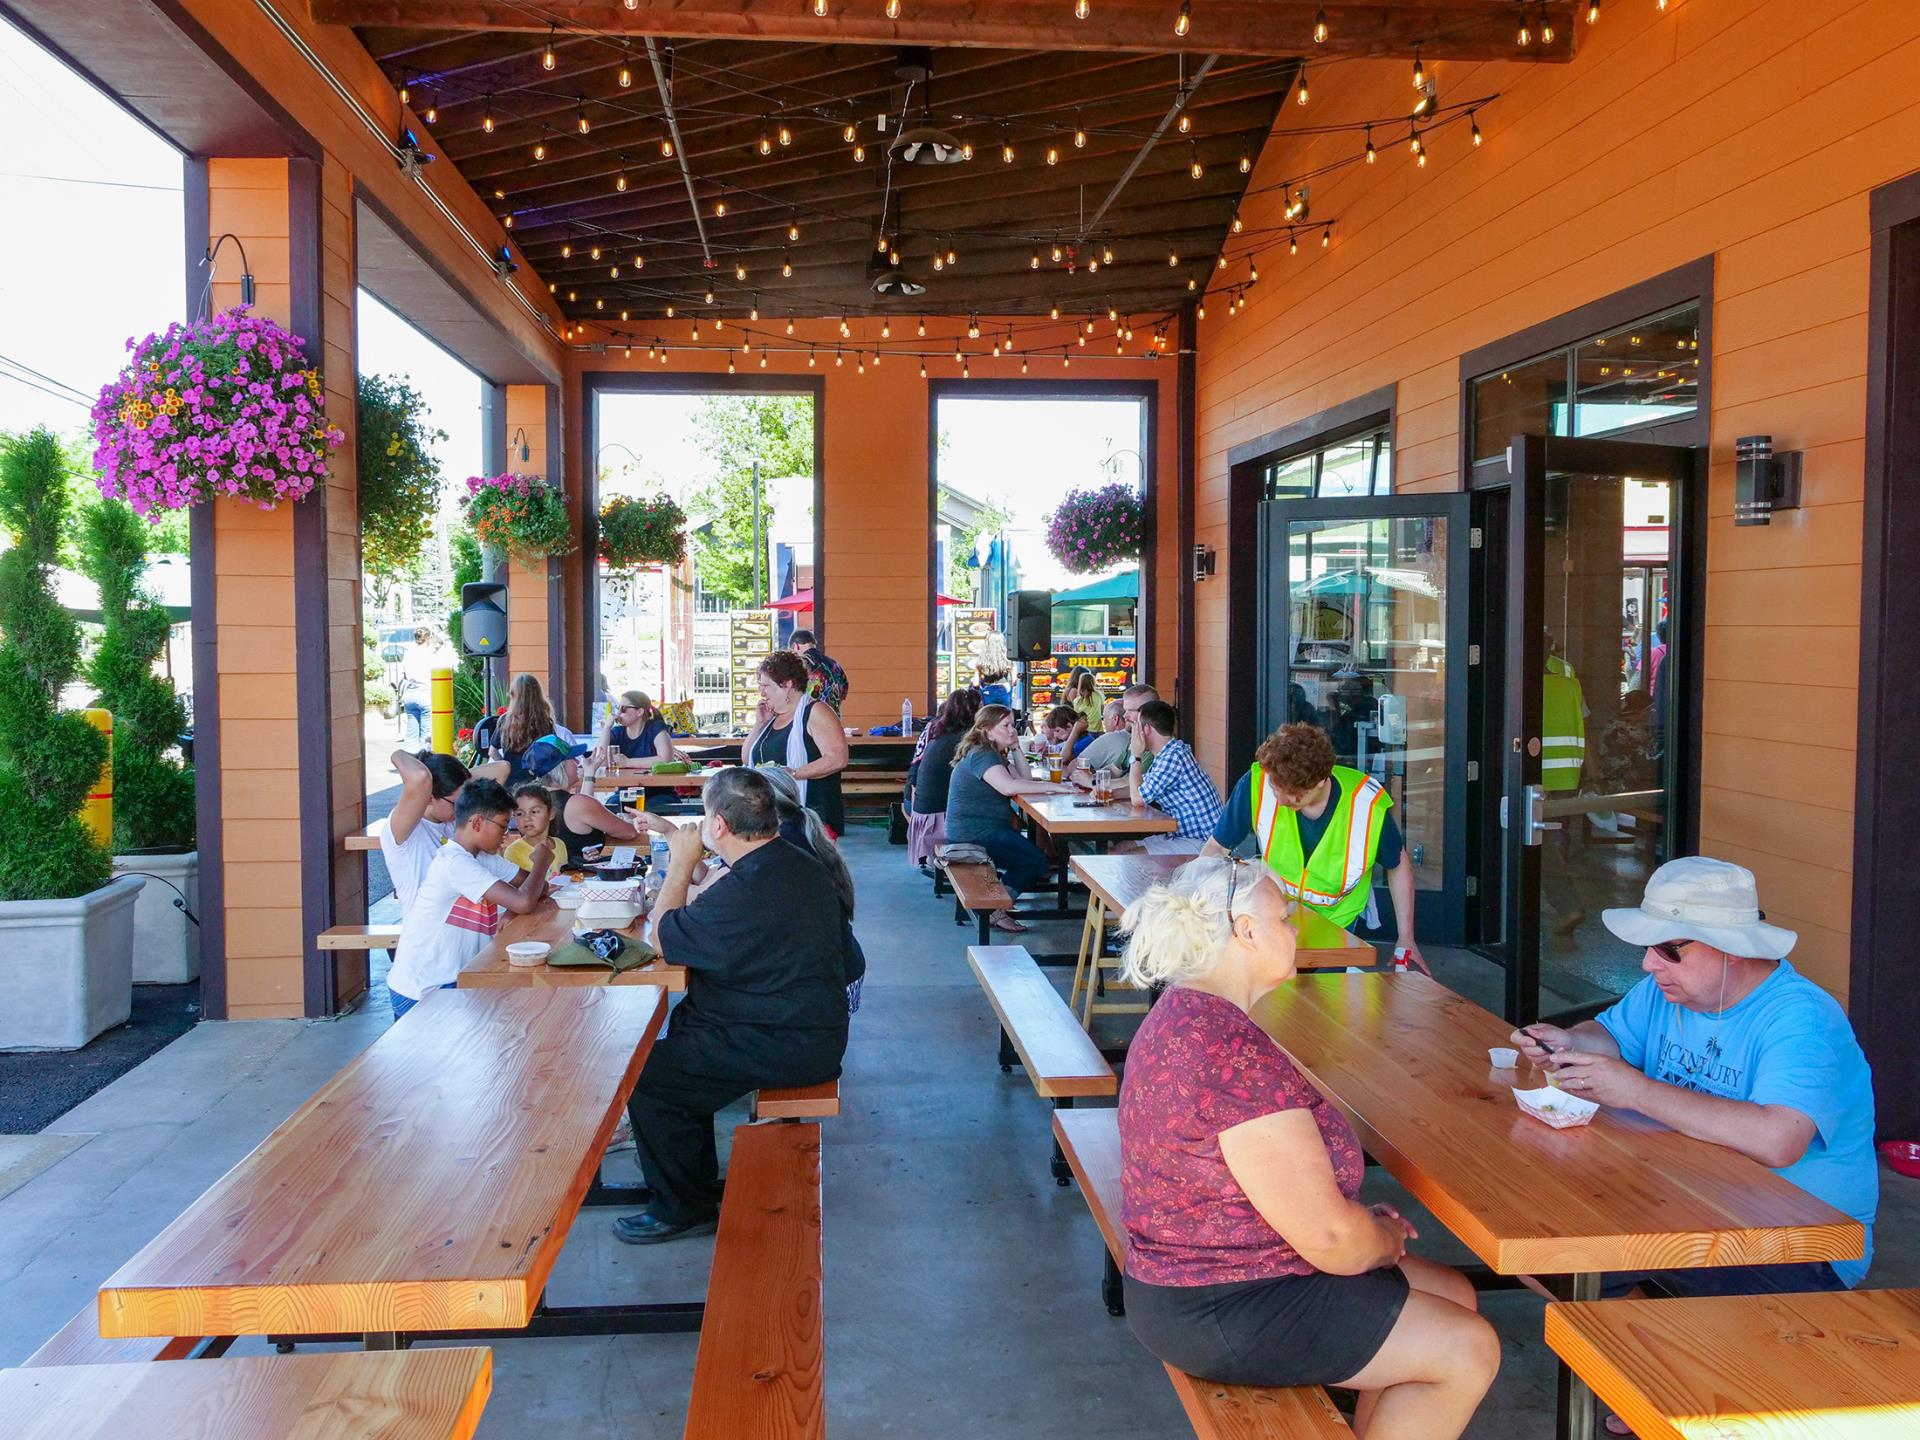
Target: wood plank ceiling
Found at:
596, 134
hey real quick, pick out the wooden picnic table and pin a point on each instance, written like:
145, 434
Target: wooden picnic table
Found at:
401, 1395
426, 1189
491, 969
1832, 1366
1075, 817
626, 778
1406, 1060
1115, 881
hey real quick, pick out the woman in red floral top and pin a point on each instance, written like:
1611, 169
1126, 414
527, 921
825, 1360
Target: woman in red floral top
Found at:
1249, 1259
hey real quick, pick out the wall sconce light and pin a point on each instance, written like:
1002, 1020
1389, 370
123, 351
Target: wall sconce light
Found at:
1203, 561
520, 439
1763, 482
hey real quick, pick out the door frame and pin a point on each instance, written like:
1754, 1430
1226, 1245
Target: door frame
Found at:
1440, 916
1528, 462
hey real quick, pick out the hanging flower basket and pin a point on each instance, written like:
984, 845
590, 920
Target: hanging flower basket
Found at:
222, 406
642, 532
1098, 529
520, 514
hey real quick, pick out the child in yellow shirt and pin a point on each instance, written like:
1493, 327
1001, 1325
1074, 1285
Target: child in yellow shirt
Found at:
533, 815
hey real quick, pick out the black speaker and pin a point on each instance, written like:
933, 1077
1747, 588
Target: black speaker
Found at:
483, 618
1032, 624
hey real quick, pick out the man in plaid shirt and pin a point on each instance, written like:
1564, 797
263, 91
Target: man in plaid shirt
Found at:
1176, 783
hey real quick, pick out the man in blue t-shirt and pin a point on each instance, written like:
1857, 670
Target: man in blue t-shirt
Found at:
1725, 1041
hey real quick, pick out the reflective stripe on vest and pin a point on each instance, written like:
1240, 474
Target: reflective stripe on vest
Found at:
1563, 745
1350, 840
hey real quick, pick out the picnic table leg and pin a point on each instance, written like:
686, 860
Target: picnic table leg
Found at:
1062, 1171
1575, 1420
1113, 1286
1092, 937
381, 1340
1063, 849
1007, 1056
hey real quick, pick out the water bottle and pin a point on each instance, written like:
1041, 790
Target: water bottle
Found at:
906, 717
658, 858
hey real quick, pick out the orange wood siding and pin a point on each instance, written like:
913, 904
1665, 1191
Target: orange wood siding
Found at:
875, 523
527, 587
1748, 130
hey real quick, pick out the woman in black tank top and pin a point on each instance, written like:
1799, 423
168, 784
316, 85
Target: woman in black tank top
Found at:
783, 693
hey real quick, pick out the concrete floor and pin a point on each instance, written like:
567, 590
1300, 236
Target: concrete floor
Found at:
962, 1284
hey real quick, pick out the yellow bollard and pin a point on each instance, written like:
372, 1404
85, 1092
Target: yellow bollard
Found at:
97, 813
441, 693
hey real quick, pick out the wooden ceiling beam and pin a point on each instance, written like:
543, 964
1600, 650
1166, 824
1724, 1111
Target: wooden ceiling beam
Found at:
1443, 29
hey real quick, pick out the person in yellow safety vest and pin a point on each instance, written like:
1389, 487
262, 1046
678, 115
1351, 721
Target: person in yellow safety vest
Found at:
1563, 728
1321, 828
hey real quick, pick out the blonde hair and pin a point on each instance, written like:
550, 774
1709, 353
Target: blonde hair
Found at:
990, 660
528, 717
1178, 929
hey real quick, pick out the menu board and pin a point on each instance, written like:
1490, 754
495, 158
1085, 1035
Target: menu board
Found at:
971, 627
750, 640
1111, 660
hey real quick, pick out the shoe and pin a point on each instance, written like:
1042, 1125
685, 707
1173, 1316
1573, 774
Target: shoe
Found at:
646, 1228
1006, 924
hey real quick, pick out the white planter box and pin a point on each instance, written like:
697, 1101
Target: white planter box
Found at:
66, 967
166, 945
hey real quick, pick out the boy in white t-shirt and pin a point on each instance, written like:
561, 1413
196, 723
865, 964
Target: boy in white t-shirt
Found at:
456, 912
421, 819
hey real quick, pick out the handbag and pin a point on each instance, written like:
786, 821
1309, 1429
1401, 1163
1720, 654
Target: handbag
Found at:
896, 823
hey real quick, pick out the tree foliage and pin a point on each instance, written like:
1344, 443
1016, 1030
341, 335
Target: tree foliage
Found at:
152, 786
49, 760
734, 431
964, 543
399, 475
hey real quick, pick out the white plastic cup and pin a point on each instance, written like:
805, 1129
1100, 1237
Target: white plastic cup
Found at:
1503, 1058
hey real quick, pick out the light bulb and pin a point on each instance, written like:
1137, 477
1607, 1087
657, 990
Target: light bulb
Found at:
1054, 313
1082, 9
886, 331
666, 147
921, 329
507, 222
639, 261
820, 8
880, 244
953, 256
1057, 254
433, 113
1186, 122
1079, 135
1221, 263
1546, 28
1183, 22
1372, 155
859, 154
719, 209
1246, 163
1419, 71
966, 150
1326, 237
626, 76
547, 58
1300, 90
486, 119
1525, 37
893, 9
594, 253
566, 250
786, 267
849, 134
1106, 255
1194, 167
739, 272
1053, 155
1173, 258
406, 93
940, 261
793, 230
1006, 152
1593, 11
789, 324
1320, 27
1033, 261
765, 145
1238, 224
754, 312
582, 121
1478, 138
785, 133
540, 150
763, 360
620, 181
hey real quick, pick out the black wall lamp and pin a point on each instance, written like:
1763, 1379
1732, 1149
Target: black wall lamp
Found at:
520, 439
1203, 561
1763, 482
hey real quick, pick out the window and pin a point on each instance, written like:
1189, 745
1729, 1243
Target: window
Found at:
1646, 373
1335, 470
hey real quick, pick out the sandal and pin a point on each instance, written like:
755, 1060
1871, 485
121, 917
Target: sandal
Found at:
1004, 922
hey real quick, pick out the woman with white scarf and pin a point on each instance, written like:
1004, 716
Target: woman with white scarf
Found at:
802, 736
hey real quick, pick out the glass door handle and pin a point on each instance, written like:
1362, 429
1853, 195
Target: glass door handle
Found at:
1534, 799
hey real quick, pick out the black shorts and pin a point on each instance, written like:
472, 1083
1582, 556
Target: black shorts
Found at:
1313, 1329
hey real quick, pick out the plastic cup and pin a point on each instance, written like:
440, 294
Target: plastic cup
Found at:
1503, 1058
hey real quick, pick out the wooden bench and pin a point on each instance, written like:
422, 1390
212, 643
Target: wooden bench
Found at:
1038, 1030
79, 1342
360, 937
797, 1102
977, 891
759, 1373
1829, 1363
362, 840
1090, 1139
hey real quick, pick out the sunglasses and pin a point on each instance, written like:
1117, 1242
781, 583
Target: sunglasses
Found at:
1670, 951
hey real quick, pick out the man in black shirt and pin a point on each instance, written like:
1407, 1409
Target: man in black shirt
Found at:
766, 1002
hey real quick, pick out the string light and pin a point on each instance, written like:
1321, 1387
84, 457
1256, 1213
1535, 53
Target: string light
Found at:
1372, 154
1058, 254
1238, 224
1593, 11
921, 329
594, 253
923, 369
893, 9
620, 181
625, 76
789, 324
1106, 255
719, 209
1185, 123
540, 145
666, 147
1053, 155
1246, 163
406, 90
1033, 261
966, 150
1300, 89
820, 8
1194, 167
547, 58
763, 359
859, 154
786, 266
754, 312
953, 256
1082, 9
765, 145
1419, 71
1006, 148
739, 271
709, 295
1173, 258
566, 249
1525, 37
639, 261
1546, 27
1478, 138
1326, 237
1079, 133
1183, 22
793, 229
433, 113
507, 222
784, 134
886, 330
1320, 26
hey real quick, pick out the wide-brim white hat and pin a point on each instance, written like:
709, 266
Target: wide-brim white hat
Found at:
1713, 901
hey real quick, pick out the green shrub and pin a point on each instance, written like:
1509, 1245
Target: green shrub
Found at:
49, 761
399, 477
152, 788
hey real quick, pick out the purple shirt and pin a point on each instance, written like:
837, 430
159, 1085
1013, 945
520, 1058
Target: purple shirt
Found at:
1197, 1067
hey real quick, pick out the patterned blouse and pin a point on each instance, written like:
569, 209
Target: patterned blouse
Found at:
1197, 1067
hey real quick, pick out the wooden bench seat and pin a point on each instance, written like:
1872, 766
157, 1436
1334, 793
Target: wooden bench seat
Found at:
977, 891
362, 840
798, 1102
1039, 1031
759, 1373
78, 1342
360, 937
1090, 1139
